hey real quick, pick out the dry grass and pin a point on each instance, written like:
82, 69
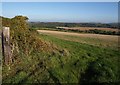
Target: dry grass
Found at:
107, 37
93, 39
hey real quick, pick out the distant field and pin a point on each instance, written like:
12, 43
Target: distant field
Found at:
92, 39
90, 28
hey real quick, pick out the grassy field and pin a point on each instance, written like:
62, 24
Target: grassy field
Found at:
91, 39
81, 58
72, 62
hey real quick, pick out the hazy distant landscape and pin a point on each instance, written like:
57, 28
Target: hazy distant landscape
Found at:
62, 52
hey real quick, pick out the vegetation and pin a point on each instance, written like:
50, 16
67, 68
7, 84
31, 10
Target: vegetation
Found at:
94, 31
39, 58
22, 42
90, 64
109, 41
26, 45
58, 27
58, 24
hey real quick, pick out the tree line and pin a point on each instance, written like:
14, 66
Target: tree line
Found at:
60, 24
94, 31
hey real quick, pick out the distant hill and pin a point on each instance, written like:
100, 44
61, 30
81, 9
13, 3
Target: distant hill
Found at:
61, 24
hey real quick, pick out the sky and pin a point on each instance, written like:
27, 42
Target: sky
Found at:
60, 0
99, 12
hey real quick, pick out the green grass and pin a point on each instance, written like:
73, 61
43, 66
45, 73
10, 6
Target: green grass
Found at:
74, 62
101, 42
80, 56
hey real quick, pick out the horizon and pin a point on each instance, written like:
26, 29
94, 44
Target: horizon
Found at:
64, 22
76, 22
80, 12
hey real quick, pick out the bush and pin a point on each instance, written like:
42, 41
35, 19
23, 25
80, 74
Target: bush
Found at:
23, 40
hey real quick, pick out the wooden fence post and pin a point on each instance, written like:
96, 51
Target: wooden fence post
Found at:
6, 49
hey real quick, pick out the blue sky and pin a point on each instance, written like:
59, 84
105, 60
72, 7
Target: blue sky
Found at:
104, 12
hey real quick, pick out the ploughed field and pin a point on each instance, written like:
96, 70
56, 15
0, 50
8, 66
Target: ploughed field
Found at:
90, 28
